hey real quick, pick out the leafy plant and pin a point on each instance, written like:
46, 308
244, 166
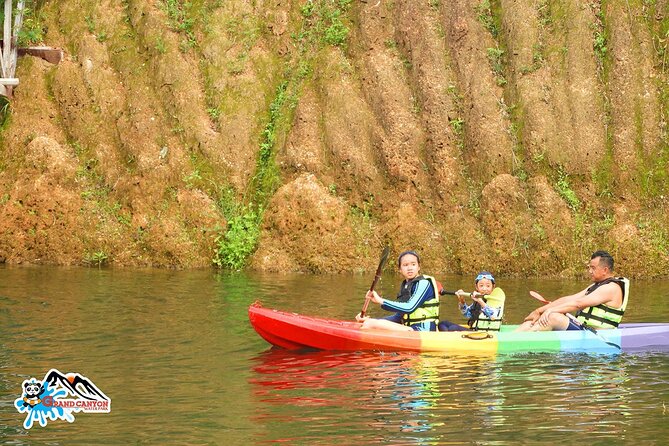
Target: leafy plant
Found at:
390, 44
337, 32
5, 112
90, 24
160, 45
458, 125
325, 22
496, 58
97, 258
564, 189
544, 13
239, 241
214, 113
32, 29
600, 35
474, 204
180, 20
484, 14
192, 179
364, 213
599, 44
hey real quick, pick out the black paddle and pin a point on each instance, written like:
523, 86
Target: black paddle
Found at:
379, 270
541, 298
464, 293
474, 295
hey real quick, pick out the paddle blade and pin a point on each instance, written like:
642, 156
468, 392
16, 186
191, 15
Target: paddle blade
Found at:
379, 269
539, 297
384, 258
377, 276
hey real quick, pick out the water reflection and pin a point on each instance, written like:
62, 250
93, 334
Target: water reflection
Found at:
394, 393
420, 399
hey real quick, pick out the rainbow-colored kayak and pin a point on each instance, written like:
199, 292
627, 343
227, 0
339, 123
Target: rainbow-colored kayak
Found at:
293, 331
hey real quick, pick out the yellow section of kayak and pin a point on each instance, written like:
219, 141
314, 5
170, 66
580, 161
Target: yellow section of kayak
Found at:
459, 341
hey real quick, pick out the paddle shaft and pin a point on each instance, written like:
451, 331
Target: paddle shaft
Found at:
464, 293
377, 276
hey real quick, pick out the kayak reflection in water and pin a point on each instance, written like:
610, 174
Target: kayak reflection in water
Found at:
417, 304
487, 307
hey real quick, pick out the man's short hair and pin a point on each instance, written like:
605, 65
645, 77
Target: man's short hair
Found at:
604, 258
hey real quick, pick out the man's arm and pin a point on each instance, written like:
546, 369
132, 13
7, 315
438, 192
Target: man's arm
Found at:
557, 305
609, 294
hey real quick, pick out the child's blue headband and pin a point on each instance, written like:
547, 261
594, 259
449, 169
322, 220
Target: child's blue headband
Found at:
484, 275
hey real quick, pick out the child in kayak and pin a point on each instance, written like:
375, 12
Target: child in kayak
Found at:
487, 307
417, 304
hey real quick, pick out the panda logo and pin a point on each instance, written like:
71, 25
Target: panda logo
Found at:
32, 393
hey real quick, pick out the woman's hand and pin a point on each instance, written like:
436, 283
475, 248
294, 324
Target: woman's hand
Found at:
374, 296
360, 318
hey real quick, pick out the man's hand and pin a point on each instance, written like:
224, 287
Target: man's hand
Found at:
544, 318
533, 316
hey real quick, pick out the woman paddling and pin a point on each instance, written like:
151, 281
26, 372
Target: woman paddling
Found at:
417, 304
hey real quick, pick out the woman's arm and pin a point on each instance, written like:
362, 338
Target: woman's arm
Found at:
423, 291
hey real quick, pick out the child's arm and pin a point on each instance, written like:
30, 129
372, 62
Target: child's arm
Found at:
466, 310
492, 312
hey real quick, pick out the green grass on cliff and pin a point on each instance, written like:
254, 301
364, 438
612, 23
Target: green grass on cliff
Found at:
241, 237
324, 24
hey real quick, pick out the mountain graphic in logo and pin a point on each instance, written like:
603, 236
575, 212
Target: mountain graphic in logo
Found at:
76, 385
59, 396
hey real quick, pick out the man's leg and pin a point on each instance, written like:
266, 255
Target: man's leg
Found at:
556, 322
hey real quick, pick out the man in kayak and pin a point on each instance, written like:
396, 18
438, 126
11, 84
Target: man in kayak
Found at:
486, 310
601, 305
417, 305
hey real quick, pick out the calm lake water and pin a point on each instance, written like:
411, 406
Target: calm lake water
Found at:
175, 353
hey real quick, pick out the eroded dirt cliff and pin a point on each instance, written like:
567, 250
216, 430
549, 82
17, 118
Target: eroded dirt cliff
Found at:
512, 135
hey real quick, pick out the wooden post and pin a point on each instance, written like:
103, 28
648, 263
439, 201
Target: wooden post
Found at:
9, 45
10, 50
18, 23
7, 37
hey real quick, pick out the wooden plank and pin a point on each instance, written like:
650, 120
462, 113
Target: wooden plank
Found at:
13, 81
52, 55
